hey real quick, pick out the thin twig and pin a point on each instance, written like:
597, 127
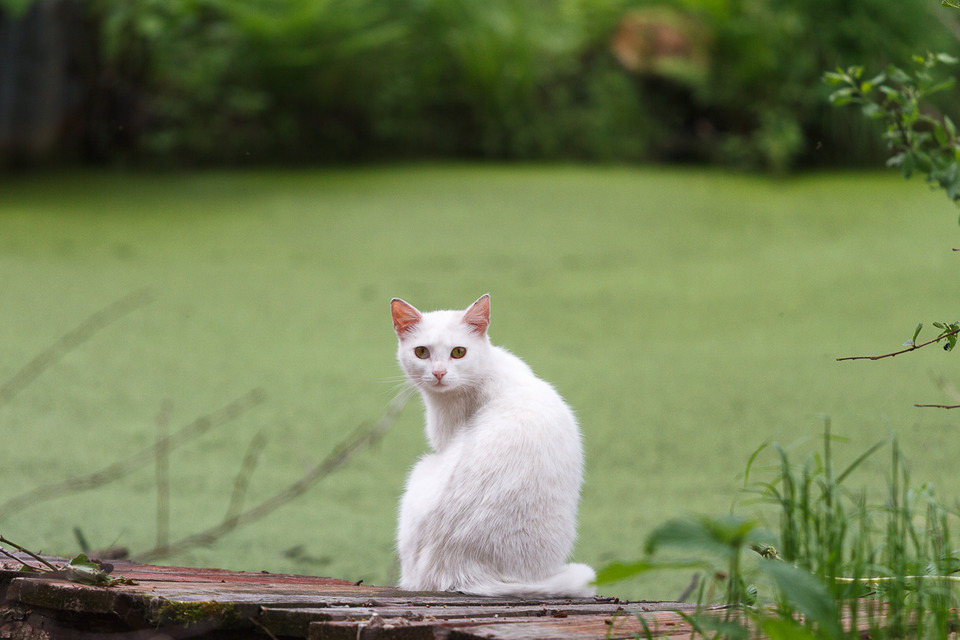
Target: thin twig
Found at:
13, 557
163, 472
947, 387
28, 552
908, 349
356, 442
242, 480
69, 341
127, 465
262, 628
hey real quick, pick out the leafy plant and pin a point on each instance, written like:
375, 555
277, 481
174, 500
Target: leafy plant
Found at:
918, 141
841, 560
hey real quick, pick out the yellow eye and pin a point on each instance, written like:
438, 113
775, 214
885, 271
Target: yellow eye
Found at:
422, 352
458, 352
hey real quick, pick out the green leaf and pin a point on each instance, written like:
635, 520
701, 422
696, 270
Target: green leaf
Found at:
806, 594
942, 86
714, 535
786, 629
617, 571
727, 629
869, 452
750, 461
892, 94
940, 134
946, 58
86, 574
898, 75
872, 110
82, 560
84, 571
835, 78
621, 571
842, 96
916, 333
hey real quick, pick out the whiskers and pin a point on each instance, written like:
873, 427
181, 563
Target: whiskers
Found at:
468, 382
400, 387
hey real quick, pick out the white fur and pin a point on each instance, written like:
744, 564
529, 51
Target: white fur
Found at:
493, 510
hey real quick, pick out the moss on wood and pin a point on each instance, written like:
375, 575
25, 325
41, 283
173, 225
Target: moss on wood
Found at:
189, 613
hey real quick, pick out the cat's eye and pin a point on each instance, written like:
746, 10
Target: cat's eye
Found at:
421, 352
458, 352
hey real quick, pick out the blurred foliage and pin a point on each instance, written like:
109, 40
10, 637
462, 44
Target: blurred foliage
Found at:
727, 81
917, 138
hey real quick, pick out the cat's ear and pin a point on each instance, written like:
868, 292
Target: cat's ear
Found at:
478, 315
405, 316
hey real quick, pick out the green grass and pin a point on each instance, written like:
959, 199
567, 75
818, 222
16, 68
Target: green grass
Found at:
687, 316
841, 554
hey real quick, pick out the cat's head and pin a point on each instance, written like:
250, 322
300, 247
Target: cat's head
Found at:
442, 351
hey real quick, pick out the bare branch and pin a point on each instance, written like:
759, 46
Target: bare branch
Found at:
14, 558
163, 472
938, 406
242, 480
942, 336
140, 459
28, 552
70, 341
346, 450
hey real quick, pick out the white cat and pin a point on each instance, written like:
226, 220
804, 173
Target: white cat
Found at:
493, 511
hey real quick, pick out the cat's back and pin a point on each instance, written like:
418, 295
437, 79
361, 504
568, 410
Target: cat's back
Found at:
518, 396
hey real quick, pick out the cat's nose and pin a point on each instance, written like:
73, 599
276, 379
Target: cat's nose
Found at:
439, 373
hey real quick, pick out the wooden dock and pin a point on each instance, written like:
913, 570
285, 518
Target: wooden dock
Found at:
179, 602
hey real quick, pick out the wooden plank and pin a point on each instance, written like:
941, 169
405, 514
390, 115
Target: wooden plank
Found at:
401, 609
586, 627
205, 602
61, 596
172, 574
621, 627
296, 620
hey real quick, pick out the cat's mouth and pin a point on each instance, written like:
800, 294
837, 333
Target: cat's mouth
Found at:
438, 385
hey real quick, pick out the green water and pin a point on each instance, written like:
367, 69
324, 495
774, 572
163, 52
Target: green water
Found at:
687, 316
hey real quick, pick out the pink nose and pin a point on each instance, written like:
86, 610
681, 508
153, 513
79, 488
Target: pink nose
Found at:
438, 374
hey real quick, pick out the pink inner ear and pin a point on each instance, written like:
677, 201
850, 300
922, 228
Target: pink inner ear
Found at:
405, 316
478, 315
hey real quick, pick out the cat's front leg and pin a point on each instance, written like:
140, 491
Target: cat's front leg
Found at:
421, 498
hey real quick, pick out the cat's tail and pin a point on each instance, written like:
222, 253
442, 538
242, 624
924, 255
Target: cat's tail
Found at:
572, 581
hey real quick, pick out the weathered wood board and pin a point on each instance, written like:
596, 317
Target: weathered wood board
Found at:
180, 602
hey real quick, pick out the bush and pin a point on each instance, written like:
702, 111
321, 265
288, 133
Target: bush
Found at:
762, 95
727, 81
